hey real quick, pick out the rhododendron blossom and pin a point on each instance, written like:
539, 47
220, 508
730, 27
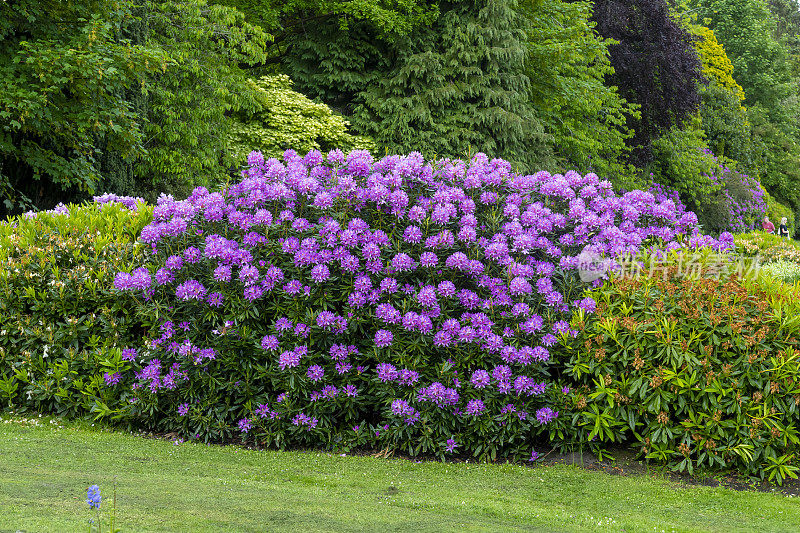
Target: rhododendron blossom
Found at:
390, 295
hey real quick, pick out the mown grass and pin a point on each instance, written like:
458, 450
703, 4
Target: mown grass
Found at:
46, 467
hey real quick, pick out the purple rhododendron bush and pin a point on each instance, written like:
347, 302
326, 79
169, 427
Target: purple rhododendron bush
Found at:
341, 301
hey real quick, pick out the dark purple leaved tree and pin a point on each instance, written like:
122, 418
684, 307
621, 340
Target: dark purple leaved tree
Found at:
655, 65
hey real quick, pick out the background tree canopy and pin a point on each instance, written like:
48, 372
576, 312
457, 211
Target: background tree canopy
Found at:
655, 65
159, 96
116, 95
64, 69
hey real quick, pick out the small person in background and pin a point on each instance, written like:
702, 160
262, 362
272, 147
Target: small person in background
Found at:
768, 226
783, 229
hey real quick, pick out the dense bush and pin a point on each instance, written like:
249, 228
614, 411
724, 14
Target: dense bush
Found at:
767, 246
735, 202
568, 64
743, 198
682, 163
787, 271
697, 372
60, 319
723, 198
283, 118
402, 305
392, 303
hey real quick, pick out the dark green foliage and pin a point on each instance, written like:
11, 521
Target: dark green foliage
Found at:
787, 17
747, 31
187, 110
777, 155
334, 65
787, 25
63, 70
458, 86
567, 64
725, 124
697, 373
395, 84
290, 17
100, 94
62, 322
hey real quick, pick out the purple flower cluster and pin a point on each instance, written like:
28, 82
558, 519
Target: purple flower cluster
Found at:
545, 415
438, 394
129, 202
112, 379
383, 338
303, 420
475, 408
151, 378
741, 196
403, 409
291, 358
138, 280
451, 280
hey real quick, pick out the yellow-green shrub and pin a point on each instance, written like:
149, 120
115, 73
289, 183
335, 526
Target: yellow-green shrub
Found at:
287, 119
60, 320
768, 246
716, 65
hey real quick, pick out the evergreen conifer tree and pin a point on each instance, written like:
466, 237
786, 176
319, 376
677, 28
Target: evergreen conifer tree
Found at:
456, 87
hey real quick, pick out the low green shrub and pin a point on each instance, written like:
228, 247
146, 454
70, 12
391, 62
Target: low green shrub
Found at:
698, 373
768, 246
60, 320
787, 271
682, 163
777, 210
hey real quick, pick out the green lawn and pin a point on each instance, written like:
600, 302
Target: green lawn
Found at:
45, 470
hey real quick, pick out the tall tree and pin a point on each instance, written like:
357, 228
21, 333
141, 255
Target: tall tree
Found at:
761, 65
654, 62
787, 21
94, 89
458, 86
64, 67
568, 64
747, 30
298, 24
724, 120
190, 103
334, 65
